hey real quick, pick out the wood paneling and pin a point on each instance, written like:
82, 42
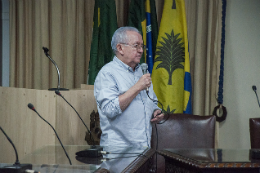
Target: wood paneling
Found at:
29, 132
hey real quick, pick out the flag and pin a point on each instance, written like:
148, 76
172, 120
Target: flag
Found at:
142, 15
171, 72
104, 26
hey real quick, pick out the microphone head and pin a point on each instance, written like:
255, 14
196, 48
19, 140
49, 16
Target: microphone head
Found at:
254, 87
46, 50
31, 106
144, 67
57, 92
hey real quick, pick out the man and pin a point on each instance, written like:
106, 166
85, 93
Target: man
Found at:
124, 108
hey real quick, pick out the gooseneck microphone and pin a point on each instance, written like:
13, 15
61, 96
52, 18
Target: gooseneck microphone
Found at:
46, 50
94, 151
144, 67
16, 154
32, 108
59, 94
254, 89
16, 166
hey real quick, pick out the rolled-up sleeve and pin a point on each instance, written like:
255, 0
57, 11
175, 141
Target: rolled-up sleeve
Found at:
106, 94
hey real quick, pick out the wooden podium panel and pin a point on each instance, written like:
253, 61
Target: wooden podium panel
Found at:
29, 132
71, 128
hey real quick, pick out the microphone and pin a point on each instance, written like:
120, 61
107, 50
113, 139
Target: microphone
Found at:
16, 167
254, 89
94, 151
144, 67
46, 50
32, 108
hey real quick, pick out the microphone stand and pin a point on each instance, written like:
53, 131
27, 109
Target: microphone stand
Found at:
30, 106
46, 50
94, 150
16, 167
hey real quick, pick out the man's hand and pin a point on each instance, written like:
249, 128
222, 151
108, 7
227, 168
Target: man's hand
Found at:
144, 82
157, 116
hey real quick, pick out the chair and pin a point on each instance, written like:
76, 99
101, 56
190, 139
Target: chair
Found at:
183, 131
95, 129
254, 126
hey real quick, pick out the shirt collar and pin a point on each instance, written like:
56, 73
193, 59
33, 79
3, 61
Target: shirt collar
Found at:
125, 66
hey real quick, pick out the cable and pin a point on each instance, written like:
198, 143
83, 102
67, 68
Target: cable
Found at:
106, 159
106, 152
138, 154
161, 111
156, 127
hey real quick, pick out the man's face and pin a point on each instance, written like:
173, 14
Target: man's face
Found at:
132, 51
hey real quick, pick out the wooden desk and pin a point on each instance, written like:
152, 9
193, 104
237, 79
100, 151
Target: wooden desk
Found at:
122, 159
209, 160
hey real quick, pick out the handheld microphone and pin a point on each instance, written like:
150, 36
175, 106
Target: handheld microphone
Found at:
94, 151
46, 50
32, 108
254, 89
16, 167
144, 67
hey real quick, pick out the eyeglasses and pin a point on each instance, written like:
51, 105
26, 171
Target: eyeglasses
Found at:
135, 46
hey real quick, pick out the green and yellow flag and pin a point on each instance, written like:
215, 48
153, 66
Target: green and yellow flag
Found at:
171, 70
104, 26
142, 15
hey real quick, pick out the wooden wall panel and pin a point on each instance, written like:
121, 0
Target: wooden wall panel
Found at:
29, 132
71, 128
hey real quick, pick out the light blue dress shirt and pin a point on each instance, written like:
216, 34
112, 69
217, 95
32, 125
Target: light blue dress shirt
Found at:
132, 126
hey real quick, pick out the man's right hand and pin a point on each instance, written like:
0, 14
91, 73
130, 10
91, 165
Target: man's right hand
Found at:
144, 82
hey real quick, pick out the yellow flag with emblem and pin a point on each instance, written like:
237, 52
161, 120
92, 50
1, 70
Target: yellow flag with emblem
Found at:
171, 71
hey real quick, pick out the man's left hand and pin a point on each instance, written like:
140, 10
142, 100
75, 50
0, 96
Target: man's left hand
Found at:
157, 116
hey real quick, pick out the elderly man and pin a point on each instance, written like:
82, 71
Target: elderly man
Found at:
126, 112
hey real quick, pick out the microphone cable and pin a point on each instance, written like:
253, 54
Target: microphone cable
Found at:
107, 159
162, 109
137, 154
156, 126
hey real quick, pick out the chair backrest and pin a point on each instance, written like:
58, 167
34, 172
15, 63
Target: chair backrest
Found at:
254, 126
183, 131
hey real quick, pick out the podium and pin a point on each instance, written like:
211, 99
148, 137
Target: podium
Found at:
29, 133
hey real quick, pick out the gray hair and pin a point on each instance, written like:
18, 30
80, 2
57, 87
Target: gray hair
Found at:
120, 36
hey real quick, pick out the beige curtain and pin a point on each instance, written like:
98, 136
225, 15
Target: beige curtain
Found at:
204, 32
65, 27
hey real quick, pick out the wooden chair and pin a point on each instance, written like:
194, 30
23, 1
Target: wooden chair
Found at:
254, 126
183, 131
95, 129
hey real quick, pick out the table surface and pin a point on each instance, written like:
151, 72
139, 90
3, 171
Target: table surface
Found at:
53, 159
213, 158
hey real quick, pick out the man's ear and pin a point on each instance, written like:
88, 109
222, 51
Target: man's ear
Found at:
120, 49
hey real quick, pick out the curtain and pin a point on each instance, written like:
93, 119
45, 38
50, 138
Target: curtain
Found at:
204, 33
65, 27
